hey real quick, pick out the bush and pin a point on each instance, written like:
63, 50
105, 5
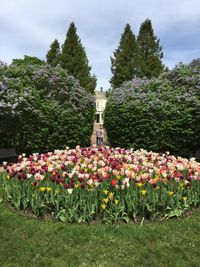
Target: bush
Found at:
160, 114
43, 108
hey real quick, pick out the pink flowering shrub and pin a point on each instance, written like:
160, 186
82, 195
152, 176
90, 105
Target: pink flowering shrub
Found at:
107, 184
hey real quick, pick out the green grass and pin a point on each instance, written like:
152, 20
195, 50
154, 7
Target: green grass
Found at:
30, 242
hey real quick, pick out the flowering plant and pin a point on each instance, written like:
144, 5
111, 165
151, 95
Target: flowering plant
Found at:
161, 114
85, 184
39, 105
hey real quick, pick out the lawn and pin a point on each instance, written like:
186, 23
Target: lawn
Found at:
30, 242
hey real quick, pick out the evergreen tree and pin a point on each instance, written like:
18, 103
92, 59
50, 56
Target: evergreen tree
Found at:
125, 63
74, 60
150, 51
53, 55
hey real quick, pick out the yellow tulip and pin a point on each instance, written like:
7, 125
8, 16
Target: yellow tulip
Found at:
170, 193
143, 192
105, 192
139, 184
116, 201
111, 195
42, 189
184, 198
103, 206
76, 185
105, 200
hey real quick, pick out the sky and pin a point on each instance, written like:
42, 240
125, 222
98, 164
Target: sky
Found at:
28, 27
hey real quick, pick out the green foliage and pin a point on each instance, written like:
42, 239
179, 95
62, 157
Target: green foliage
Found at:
45, 197
28, 61
159, 114
136, 58
74, 60
43, 108
53, 55
150, 51
124, 64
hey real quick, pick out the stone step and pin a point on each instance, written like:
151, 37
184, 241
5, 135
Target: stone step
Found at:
93, 137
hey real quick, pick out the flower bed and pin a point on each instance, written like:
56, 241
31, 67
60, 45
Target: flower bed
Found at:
107, 184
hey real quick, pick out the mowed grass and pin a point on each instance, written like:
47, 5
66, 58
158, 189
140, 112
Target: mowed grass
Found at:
31, 242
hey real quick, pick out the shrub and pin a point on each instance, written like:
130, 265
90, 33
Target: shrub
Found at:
160, 114
43, 108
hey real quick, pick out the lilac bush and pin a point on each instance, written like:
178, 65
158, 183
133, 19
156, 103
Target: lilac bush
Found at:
159, 114
43, 108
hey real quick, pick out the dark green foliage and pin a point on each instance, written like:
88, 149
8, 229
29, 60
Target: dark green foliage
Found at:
28, 61
125, 63
53, 55
75, 61
136, 58
150, 51
43, 108
159, 114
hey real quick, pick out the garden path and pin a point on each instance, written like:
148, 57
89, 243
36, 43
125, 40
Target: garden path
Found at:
93, 137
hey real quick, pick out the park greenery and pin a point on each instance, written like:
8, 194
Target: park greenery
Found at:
30, 242
43, 108
53, 56
159, 114
73, 58
150, 51
47, 110
48, 107
140, 57
125, 63
136, 57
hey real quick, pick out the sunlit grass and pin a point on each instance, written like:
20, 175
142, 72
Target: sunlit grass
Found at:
32, 242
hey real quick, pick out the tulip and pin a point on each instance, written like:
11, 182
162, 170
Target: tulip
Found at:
113, 182
70, 190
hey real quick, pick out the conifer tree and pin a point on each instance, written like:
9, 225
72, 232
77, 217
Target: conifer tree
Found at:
150, 51
74, 60
53, 55
125, 63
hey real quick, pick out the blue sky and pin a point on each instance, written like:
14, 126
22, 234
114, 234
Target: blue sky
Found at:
28, 27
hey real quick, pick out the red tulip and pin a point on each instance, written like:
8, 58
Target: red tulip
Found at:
66, 186
80, 179
83, 186
113, 182
107, 176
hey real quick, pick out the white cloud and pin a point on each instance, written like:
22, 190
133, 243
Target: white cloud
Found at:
29, 27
